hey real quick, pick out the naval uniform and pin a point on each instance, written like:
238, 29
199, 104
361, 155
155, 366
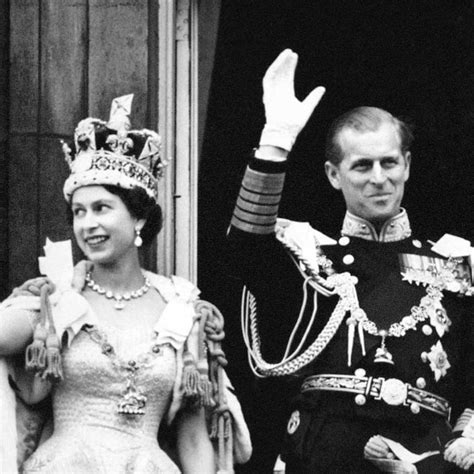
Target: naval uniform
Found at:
410, 388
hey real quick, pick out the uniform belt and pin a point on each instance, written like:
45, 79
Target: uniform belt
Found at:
391, 391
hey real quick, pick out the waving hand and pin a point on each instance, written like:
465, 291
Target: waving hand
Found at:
285, 114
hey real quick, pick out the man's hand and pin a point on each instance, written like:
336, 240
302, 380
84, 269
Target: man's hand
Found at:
376, 447
32, 287
461, 453
285, 114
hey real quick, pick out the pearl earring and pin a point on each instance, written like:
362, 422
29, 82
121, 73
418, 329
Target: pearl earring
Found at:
138, 240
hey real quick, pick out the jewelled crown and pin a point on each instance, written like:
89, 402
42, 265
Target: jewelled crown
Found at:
111, 153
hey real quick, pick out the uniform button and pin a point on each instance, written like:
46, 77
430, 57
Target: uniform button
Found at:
417, 244
360, 373
344, 240
421, 383
348, 259
294, 422
427, 330
360, 399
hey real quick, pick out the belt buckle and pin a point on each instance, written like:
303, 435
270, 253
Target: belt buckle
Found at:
393, 392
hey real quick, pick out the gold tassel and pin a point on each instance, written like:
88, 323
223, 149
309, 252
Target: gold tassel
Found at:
205, 390
205, 386
53, 371
190, 376
35, 356
227, 425
214, 425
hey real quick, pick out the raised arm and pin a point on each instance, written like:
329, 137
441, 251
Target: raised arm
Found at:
254, 254
285, 115
257, 205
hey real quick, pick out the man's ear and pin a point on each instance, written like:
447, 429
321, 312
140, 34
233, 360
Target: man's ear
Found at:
407, 159
332, 172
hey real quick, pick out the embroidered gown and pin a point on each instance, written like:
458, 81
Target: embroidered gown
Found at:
90, 436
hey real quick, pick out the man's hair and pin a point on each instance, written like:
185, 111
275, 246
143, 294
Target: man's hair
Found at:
364, 119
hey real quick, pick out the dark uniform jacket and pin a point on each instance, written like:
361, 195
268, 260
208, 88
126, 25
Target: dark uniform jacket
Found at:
327, 430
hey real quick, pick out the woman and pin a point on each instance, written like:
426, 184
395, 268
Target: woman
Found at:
130, 355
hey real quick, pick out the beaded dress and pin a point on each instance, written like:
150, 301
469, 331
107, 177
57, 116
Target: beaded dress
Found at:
90, 435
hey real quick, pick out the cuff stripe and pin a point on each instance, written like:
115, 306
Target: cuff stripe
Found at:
256, 199
257, 190
255, 211
254, 228
254, 180
464, 419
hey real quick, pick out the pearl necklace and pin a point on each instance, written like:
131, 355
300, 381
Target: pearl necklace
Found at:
119, 299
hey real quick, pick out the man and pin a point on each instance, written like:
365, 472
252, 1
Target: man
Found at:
387, 353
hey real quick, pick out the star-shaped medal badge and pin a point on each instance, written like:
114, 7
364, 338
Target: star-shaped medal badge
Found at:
439, 362
439, 318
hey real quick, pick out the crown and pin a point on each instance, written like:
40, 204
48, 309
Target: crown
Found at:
111, 153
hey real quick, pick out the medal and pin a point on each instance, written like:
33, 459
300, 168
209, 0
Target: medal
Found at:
382, 355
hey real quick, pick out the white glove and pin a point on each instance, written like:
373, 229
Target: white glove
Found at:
285, 114
461, 453
376, 447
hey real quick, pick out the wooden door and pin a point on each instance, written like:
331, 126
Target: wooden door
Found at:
68, 59
3, 148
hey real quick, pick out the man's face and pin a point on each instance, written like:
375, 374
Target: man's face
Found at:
372, 173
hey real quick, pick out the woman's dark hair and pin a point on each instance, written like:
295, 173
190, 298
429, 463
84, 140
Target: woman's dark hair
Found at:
141, 206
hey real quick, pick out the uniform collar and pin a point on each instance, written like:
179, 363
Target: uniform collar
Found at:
394, 229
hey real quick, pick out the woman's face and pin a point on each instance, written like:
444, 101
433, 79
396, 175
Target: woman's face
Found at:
103, 226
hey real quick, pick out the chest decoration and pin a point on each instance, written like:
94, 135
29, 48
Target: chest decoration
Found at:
438, 360
429, 307
133, 400
438, 276
424, 270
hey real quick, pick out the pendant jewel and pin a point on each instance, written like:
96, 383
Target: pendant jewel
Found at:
119, 305
133, 400
382, 355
